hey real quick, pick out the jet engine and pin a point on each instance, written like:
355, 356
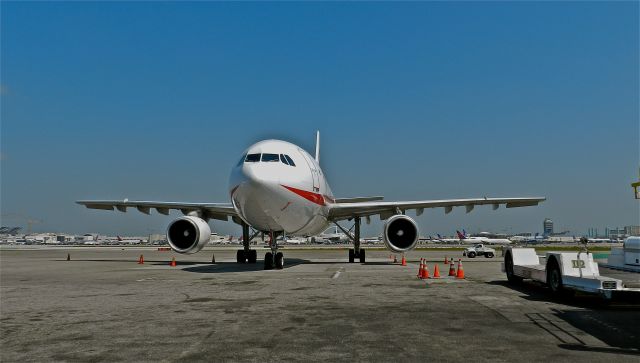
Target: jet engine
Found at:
188, 234
400, 233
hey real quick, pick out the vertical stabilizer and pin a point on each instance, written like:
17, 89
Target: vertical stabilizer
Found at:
318, 146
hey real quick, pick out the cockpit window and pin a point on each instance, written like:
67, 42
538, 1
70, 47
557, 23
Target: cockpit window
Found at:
270, 158
283, 159
252, 158
290, 160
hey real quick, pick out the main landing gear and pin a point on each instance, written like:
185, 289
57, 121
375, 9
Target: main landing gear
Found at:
356, 251
246, 254
250, 256
274, 258
353, 255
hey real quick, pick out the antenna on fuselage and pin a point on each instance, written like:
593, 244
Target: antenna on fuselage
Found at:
318, 146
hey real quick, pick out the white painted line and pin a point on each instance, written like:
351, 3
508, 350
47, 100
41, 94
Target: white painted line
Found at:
337, 273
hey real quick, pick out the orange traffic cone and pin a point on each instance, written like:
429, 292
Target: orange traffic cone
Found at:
421, 269
452, 269
436, 272
173, 262
213, 258
395, 259
68, 257
460, 273
446, 260
141, 260
425, 271
404, 261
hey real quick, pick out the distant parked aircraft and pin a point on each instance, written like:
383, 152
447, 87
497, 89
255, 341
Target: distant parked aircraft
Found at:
464, 238
446, 240
331, 234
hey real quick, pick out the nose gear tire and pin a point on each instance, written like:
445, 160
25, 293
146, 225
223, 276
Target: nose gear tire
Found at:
279, 260
268, 261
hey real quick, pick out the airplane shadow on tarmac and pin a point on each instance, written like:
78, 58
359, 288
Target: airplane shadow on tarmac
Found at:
225, 267
222, 267
615, 322
219, 267
196, 266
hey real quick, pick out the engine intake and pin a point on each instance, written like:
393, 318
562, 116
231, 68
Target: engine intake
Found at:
400, 233
188, 234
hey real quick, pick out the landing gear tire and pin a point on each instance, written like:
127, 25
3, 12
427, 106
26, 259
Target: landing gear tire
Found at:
268, 261
253, 256
352, 255
279, 262
362, 256
240, 256
508, 267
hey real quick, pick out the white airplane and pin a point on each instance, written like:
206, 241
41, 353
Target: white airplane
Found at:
527, 239
599, 240
332, 235
441, 239
276, 187
464, 238
291, 240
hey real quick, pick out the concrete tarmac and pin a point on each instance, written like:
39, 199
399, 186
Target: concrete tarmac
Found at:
103, 306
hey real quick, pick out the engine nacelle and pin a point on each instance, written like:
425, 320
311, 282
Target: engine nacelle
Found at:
188, 234
400, 233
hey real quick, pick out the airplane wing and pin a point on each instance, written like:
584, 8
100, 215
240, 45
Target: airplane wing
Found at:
358, 199
219, 211
387, 209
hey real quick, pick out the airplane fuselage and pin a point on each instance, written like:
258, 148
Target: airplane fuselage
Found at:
279, 187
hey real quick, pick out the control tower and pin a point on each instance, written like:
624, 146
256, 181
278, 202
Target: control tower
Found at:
636, 187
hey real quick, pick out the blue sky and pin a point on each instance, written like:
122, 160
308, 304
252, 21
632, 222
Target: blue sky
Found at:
413, 100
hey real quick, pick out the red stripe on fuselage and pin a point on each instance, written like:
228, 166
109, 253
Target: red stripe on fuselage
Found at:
310, 196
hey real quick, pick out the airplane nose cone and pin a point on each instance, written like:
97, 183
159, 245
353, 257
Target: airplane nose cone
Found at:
259, 175
249, 173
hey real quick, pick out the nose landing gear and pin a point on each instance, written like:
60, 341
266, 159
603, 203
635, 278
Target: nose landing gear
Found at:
274, 258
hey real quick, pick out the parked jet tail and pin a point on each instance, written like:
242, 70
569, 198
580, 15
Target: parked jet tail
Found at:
460, 235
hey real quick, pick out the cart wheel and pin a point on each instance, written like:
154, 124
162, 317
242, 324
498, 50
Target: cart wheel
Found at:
508, 266
471, 254
488, 255
554, 276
